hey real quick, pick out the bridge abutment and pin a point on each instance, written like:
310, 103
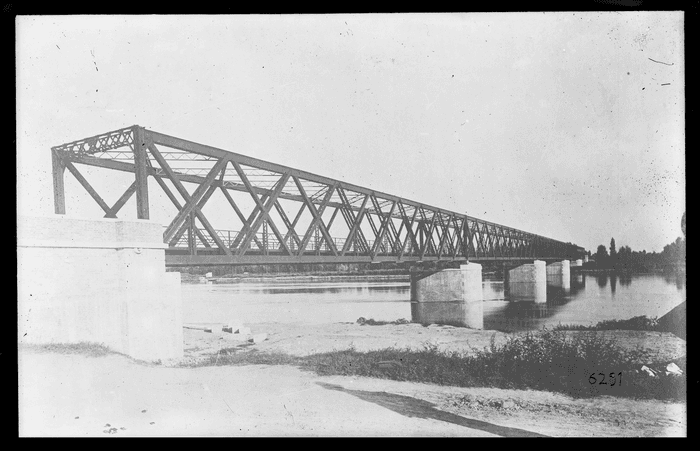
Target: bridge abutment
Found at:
451, 296
528, 282
100, 281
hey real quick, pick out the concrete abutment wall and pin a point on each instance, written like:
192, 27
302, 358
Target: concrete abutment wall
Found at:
100, 281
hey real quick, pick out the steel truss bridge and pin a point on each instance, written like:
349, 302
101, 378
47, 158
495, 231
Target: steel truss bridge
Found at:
283, 215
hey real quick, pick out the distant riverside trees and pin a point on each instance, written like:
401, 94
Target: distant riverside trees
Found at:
601, 257
625, 259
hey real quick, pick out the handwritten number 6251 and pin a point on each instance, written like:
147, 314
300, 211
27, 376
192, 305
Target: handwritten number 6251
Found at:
615, 379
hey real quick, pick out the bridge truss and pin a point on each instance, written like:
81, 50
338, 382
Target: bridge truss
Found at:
281, 214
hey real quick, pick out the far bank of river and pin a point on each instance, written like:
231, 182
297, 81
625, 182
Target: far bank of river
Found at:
188, 278
346, 277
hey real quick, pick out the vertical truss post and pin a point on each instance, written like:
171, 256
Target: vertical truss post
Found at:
466, 239
421, 239
191, 238
141, 173
59, 195
264, 232
317, 248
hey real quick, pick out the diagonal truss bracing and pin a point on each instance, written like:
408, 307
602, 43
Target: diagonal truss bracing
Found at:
281, 214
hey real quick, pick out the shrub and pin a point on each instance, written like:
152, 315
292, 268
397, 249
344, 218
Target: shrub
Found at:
546, 360
636, 323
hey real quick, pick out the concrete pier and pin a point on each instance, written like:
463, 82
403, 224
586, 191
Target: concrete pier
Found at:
100, 281
529, 282
451, 296
559, 275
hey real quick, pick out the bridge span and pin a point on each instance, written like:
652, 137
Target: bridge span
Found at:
278, 214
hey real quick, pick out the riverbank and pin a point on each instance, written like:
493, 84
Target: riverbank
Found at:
298, 339
83, 394
549, 360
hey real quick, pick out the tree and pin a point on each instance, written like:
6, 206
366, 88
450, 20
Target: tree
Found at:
683, 224
674, 252
624, 257
613, 253
601, 257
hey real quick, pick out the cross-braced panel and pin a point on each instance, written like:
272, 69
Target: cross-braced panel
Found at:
277, 214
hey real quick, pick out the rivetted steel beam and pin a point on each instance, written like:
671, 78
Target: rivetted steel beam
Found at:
59, 195
139, 147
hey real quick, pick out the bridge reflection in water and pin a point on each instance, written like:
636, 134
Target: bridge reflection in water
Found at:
503, 313
322, 302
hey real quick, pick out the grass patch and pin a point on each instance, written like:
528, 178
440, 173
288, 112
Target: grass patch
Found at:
545, 360
83, 348
637, 323
241, 356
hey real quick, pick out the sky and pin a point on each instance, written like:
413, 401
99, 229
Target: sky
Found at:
569, 125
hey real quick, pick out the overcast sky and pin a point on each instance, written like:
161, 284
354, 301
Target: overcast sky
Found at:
569, 125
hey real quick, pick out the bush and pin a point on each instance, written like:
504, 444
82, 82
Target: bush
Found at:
546, 360
637, 323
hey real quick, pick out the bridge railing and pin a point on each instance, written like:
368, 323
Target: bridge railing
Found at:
267, 243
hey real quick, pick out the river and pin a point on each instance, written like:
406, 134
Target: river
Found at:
592, 298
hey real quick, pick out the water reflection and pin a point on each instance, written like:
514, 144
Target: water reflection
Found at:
322, 302
625, 280
677, 278
519, 315
680, 281
307, 288
613, 283
602, 280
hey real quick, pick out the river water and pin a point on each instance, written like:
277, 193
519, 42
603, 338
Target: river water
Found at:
592, 298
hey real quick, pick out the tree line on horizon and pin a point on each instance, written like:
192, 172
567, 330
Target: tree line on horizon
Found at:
626, 259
